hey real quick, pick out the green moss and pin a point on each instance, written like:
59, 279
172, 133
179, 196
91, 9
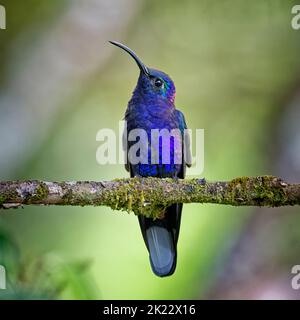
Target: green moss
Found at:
129, 202
264, 190
8, 194
238, 183
67, 197
2, 199
129, 196
41, 192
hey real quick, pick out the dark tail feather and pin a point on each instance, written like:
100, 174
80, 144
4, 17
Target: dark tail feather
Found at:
161, 237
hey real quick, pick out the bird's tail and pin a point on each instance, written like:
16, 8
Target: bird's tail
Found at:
161, 237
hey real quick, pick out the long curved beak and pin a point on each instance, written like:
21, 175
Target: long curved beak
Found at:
140, 64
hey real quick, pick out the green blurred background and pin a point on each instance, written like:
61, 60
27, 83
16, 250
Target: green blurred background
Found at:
236, 68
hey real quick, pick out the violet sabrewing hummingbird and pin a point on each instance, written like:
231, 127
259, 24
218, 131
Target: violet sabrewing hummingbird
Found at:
152, 107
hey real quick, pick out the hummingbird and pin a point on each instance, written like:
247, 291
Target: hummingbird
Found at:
152, 107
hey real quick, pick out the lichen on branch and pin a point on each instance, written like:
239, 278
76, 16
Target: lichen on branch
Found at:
149, 196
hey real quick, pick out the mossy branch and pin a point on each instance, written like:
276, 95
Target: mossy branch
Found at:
149, 196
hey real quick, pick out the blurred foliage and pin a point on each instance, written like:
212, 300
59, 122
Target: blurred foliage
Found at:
31, 17
42, 277
233, 63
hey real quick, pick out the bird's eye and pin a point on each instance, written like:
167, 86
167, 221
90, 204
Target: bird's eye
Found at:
158, 82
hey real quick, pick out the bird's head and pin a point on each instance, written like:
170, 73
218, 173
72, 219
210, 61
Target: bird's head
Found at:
152, 83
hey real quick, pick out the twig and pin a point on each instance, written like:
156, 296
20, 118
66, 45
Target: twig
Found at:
149, 196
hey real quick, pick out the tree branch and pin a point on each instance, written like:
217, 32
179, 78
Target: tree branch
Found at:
149, 196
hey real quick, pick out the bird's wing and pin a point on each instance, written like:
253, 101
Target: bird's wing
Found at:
125, 148
186, 144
